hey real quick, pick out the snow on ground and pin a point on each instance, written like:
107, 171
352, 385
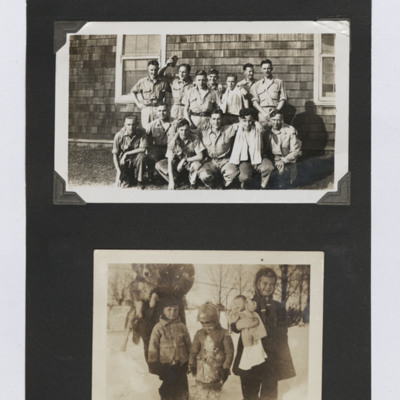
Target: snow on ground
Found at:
128, 377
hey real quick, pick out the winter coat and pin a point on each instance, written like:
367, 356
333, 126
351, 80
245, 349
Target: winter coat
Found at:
275, 343
169, 342
211, 353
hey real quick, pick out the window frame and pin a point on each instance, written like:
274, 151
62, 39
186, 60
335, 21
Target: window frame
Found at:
319, 99
119, 62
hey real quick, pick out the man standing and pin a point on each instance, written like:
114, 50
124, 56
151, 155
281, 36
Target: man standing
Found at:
184, 153
179, 87
268, 94
248, 82
151, 90
248, 150
199, 102
212, 82
218, 142
159, 132
282, 142
233, 100
129, 154
261, 381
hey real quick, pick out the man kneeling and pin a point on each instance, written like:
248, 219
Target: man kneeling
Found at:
248, 150
184, 153
129, 154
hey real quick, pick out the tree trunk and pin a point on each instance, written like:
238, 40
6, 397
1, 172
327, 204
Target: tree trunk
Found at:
284, 283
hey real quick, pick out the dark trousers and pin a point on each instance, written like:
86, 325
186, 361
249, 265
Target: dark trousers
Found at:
174, 382
154, 155
191, 167
259, 382
133, 168
246, 171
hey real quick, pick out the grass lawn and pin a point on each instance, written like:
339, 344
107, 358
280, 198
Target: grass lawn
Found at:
94, 166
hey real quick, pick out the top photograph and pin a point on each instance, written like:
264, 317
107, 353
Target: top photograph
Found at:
202, 112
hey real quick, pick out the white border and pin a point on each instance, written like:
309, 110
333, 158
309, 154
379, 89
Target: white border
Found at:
100, 280
94, 194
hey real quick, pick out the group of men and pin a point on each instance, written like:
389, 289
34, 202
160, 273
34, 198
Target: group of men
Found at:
212, 134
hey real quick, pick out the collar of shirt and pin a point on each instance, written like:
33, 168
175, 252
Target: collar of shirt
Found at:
277, 132
211, 132
267, 81
153, 81
126, 133
182, 82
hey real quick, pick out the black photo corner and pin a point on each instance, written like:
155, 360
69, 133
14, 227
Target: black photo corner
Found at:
61, 239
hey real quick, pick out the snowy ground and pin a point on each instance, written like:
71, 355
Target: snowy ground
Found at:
128, 377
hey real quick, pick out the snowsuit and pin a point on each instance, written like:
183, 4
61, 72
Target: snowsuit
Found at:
168, 358
264, 378
210, 354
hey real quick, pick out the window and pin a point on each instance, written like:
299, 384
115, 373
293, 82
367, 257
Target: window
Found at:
133, 54
324, 78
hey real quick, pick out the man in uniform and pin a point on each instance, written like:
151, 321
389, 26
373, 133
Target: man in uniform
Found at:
218, 141
158, 132
212, 82
199, 102
233, 100
282, 143
268, 94
248, 150
248, 81
184, 153
129, 154
149, 93
179, 87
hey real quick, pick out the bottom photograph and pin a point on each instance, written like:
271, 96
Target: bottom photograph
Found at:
180, 325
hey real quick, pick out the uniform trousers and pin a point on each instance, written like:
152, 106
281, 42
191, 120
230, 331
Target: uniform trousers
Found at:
191, 167
133, 168
147, 115
155, 154
177, 111
212, 168
246, 171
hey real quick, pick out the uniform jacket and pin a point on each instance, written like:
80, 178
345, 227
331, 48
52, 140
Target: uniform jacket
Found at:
273, 316
169, 342
211, 353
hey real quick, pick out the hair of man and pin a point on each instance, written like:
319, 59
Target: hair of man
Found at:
217, 111
153, 62
244, 112
182, 122
213, 71
266, 61
187, 66
232, 76
247, 65
201, 72
132, 117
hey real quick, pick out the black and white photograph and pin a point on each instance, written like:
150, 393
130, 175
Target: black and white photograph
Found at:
180, 325
203, 111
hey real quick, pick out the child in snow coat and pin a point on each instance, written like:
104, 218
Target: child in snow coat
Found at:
169, 351
211, 354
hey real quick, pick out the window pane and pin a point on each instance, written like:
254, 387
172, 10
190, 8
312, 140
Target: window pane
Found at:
328, 43
328, 77
132, 70
141, 45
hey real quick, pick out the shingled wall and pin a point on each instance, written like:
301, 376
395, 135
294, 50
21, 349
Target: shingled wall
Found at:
93, 113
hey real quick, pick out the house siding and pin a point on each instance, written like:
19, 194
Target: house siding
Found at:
93, 113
